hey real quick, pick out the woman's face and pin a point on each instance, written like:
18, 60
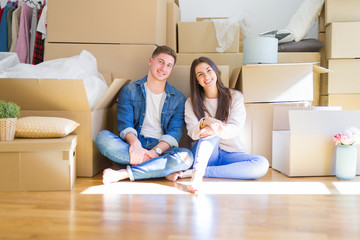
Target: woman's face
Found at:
205, 75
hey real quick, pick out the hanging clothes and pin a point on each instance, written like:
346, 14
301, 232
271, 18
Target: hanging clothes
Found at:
3, 28
23, 42
38, 55
9, 25
15, 27
34, 21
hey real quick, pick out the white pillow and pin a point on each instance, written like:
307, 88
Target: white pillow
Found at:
44, 127
301, 22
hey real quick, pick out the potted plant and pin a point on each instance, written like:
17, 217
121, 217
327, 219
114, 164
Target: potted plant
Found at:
9, 112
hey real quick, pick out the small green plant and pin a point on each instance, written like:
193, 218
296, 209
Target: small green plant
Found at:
9, 109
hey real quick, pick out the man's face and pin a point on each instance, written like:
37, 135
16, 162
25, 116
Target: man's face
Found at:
161, 66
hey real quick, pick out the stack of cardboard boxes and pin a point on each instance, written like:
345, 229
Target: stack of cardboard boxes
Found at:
302, 138
342, 20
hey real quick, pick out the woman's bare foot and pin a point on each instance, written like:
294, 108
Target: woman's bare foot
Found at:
174, 176
196, 181
111, 175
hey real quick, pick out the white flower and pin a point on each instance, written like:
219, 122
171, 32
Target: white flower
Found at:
353, 133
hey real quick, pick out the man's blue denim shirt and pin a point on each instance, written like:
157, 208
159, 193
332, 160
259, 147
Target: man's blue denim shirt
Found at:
132, 106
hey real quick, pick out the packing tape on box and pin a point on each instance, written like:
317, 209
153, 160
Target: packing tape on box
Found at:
260, 50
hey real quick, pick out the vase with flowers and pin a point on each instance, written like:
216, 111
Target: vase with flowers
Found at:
346, 153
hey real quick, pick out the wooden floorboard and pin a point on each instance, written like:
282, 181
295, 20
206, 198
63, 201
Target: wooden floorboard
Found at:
273, 207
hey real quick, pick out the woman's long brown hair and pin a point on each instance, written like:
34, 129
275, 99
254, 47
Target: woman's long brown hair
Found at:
198, 93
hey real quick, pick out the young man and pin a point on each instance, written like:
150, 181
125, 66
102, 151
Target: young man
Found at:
150, 123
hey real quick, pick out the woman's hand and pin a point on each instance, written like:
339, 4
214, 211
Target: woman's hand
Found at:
206, 132
215, 126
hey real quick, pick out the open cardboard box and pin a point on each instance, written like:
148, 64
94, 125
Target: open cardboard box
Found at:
67, 98
303, 140
282, 82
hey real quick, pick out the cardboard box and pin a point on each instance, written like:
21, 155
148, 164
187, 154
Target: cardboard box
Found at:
342, 11
173, 17
344, 76
122, 61
346, 101
67, 98
306, 148
257, 133
277, 82
342, 40
116, 21
180, 78
200, 37
38, 164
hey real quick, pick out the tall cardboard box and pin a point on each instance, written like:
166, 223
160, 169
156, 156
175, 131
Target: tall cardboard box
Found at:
38, 164
113, 21
67, 98
306, 147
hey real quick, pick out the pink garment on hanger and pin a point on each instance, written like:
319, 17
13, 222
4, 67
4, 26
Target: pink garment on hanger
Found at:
23, 42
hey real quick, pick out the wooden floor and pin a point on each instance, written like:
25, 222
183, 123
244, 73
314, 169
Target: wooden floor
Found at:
273, 207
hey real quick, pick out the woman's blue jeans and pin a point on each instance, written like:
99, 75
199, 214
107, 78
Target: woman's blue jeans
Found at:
223, 164
171, 161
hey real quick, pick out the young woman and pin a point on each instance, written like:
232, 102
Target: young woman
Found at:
215, 117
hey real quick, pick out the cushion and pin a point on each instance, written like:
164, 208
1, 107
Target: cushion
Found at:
303, 19
44, 127
305, 45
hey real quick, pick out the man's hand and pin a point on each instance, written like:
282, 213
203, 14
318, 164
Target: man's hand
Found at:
151, 154
137, 153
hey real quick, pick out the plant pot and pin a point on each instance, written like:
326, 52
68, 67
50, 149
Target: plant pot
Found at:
7, 129
345, 165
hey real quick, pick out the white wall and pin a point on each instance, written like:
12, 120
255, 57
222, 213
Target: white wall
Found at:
261, 15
